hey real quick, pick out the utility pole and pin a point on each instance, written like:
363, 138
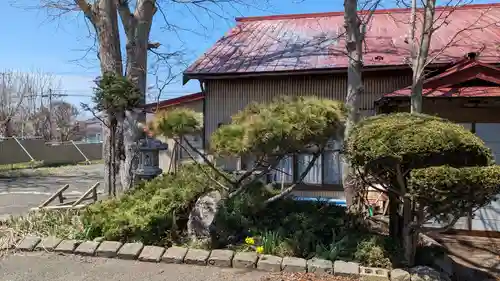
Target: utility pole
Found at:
51, 134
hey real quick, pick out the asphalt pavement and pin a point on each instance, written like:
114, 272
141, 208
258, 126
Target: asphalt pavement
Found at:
18, 194
38, 266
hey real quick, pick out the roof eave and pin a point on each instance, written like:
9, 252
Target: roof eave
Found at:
231, 75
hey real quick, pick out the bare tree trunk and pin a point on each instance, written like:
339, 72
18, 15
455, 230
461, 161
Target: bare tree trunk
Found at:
419, 57
137, 28
408, 240
355, 87
7, 128
112, 157
416, 95
104, 18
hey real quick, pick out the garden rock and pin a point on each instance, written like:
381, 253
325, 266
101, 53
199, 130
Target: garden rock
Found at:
221, 258
319, 266
130, 251
291, 264
245, 260
269, 263
196, 256
67, 246
425, 273
48, 243
151, 253
108, 249
28, 243
87, 248
343, 268
202, 216
174, 255
400, 275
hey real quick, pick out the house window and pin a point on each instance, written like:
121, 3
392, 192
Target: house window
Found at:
284, 171
332, 168
326, 169
490, 134
315, 175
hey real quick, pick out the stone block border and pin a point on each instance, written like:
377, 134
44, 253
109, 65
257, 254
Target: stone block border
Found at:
220, 258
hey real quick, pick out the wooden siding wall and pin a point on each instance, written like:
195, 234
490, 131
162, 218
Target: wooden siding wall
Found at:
224, 98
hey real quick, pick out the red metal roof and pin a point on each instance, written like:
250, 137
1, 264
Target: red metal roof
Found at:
151, 107
465, 70
447, 84
315, 41
468, 92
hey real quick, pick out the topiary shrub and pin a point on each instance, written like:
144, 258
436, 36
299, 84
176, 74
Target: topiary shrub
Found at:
448, 190
154, 213
439, 170
414, 141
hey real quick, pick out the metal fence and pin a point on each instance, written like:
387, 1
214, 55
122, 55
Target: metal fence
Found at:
14, 150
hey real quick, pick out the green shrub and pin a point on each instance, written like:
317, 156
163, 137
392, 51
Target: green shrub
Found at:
289, 227
414, 141
444, 170
153, 213
447, 190
285, 125
376, 251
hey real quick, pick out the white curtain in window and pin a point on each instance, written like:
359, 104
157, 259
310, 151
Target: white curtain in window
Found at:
284, 173
490, 134
315, 175
332, 167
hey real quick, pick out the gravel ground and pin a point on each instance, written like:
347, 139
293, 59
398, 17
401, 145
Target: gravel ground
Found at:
53, 267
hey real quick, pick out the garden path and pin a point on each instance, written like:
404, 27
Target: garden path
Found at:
38, 266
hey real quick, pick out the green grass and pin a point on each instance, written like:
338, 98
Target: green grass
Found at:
35, 168
19, 166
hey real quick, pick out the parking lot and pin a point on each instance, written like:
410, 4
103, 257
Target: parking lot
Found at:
21, 192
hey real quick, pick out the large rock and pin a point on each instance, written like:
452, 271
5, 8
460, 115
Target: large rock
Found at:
202, 216
425, 273
400, 275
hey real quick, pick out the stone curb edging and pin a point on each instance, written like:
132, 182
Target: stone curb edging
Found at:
218, 258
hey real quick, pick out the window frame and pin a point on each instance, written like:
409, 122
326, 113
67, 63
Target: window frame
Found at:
296, 163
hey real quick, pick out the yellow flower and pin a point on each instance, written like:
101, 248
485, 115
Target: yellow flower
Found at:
259, 250
249, 241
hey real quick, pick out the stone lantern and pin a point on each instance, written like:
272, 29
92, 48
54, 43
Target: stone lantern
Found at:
149, 166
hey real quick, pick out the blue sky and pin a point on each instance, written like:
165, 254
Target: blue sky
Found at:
33, 42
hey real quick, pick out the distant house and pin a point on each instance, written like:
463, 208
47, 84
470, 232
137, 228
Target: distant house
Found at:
170, 158
90, 130
262, 58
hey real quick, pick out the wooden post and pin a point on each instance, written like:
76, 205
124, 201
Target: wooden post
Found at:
57, 194
90, 190
81, 152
